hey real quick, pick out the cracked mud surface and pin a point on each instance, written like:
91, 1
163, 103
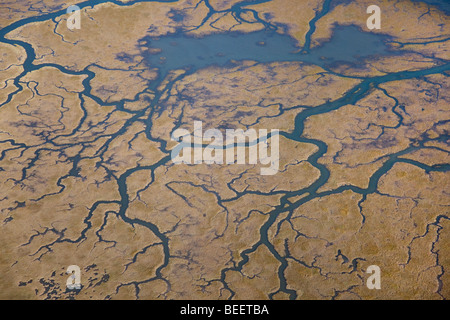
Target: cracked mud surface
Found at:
86, 176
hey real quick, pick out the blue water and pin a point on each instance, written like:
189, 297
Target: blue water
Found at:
348, 44
178, 51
